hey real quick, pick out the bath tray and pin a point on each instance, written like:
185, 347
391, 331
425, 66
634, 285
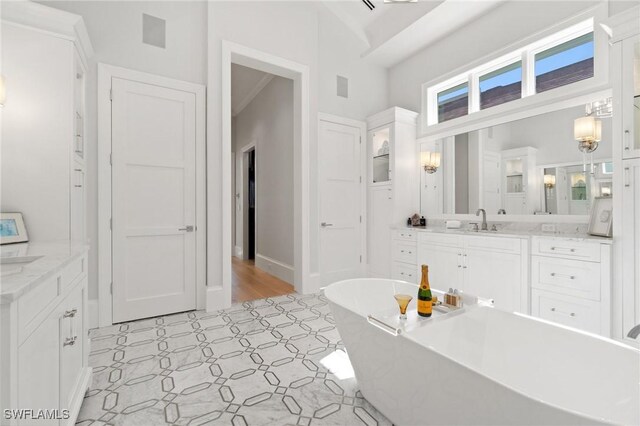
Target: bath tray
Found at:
389, 320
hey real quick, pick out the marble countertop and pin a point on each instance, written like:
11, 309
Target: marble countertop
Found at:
51, 257
504, 231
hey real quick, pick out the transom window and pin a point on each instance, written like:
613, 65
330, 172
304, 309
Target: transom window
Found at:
558, 60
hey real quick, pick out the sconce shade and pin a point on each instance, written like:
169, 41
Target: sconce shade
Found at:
587, 129
3, 91
549, 181
430, 160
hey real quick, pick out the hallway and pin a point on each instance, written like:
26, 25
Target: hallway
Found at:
251, 283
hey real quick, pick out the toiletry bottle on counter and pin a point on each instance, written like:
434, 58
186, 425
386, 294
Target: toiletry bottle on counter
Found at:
424, 294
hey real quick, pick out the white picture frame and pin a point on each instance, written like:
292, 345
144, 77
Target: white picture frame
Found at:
12, 229
600, 223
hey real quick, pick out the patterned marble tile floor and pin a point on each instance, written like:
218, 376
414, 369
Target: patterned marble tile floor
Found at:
256, 363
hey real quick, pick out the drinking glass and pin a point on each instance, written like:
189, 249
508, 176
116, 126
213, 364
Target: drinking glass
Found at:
403, 301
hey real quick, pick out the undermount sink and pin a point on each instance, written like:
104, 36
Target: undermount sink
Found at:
13, 265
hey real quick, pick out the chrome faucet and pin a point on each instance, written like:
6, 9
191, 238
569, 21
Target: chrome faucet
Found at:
484, 219
502, 211
634, 332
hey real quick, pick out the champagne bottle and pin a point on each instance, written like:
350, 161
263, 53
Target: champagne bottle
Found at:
424, 294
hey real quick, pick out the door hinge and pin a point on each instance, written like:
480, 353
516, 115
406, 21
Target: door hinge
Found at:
360, 179
111, 94
111, 159
360, 218
111, 224
360, 139
111, 288
360, 258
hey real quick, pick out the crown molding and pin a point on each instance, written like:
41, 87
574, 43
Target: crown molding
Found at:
252, 94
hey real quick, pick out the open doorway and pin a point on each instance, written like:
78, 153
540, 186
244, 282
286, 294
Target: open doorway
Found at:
262, 150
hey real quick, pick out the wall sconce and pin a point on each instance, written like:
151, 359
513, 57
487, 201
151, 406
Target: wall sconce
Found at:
588, 132
430, 161
3, 91
549, 181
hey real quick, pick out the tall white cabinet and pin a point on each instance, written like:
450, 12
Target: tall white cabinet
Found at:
625, 66
392, 175
44, 62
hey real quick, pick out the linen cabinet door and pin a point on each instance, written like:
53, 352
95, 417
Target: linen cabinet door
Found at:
71, 341
38, 369
445, 266
380, 208
494, 275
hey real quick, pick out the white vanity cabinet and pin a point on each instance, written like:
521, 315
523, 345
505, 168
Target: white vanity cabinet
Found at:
571, 282
45, 345
491, 267
404, 249
392, 172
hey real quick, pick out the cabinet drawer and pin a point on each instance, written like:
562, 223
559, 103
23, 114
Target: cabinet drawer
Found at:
406, 234
570, 277
506, 245
405, 272
440, 239
73, 270
36, 300
566, 310
566, 248
404, 252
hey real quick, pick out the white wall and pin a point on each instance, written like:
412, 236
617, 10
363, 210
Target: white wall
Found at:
115, 30
507, 24
294, 31
268, 120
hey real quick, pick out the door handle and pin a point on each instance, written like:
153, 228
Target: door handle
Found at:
325, 224
188, 228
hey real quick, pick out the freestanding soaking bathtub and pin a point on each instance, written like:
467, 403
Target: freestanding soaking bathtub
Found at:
482, 365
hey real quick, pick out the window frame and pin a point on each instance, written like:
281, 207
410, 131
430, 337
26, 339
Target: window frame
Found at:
525, 54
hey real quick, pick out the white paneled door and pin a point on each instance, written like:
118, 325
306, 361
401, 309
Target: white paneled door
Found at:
339, 171
153, 200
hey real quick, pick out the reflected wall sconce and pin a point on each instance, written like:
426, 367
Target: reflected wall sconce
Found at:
588, 132
3, 91
549, 181
430, 161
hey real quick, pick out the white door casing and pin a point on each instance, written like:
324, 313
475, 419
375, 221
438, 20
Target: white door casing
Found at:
153, 200
340, 166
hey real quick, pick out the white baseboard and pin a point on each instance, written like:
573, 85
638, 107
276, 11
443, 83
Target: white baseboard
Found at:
93, 313
238, 251
278, 269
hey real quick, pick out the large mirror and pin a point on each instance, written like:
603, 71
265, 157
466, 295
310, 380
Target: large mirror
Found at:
524, 167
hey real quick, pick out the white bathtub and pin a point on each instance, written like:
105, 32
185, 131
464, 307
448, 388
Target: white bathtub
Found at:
483, 366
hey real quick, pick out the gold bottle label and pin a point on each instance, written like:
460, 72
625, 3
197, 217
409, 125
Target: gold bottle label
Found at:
424, 306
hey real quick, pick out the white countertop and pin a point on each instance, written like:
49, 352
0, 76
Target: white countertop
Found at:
17, 281
512, 233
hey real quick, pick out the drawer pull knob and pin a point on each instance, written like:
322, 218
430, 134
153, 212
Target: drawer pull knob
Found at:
69, 341
70, 314
571, 277
401, 251
553, 309
572, 314
571, 250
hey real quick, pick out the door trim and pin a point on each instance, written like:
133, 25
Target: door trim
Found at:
105, 75
330, 118
219, 294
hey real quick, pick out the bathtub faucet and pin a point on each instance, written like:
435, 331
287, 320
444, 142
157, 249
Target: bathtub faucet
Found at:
634, 332
484, 219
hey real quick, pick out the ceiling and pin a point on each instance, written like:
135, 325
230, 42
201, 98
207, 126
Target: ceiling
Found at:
395, 31
246, 83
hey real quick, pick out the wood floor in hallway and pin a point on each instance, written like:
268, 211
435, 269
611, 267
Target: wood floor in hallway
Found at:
251, 283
